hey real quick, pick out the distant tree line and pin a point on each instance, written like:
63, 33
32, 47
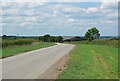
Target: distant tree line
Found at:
8, 37
48, 38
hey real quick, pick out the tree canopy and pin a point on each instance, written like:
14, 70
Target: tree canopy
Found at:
48, 38
92, 34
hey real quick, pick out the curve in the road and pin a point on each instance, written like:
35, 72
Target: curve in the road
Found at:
32, 64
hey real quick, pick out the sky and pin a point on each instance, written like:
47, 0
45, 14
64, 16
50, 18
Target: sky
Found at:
58, 18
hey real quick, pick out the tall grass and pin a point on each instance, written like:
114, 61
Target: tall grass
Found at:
13, 42
112, 43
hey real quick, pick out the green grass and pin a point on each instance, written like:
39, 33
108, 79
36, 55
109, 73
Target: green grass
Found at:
92, 62
111, 43
13, 50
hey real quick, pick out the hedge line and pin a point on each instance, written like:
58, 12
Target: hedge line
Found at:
6, 43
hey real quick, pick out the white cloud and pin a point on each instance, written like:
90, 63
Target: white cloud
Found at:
27, 25
60, 0
65, 8
70, 20
73, 9
34, 4
30, 12
24, 1
10, 11
107, 22
17, 7
109, 0
36, 15
93, 10
109, 5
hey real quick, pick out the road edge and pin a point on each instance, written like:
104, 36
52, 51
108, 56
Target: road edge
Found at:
57, 68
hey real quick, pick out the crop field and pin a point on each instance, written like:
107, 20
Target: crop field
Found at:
13, 47
98, 60
14, 42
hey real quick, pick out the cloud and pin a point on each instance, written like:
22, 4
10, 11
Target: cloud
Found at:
40, 16
93, 10
109, 0
65, 8
25, 0
60, 0
70, 20
10, 12
109, 5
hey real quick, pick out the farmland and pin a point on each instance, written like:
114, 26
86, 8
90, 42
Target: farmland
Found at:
92, 60
20, 45
16, 42
88, 60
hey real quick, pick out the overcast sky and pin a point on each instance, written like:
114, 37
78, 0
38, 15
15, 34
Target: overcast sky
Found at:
59, 18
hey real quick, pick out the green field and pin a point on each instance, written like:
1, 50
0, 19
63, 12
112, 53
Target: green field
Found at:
92, 61
13, 50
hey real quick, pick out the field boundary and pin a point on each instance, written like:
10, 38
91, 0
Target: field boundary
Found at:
55, 69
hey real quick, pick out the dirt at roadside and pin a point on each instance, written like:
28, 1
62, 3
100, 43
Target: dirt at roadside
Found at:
56, 69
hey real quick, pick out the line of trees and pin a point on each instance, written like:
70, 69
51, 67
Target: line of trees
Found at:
48, 38
90, 35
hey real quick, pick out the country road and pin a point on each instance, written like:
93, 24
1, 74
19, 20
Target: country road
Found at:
32, 64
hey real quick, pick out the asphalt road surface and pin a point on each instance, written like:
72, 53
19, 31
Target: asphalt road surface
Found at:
32, 64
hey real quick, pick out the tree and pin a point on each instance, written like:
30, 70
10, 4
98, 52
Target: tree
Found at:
48, 38
60, 38
4, 36
52, 39
92, 34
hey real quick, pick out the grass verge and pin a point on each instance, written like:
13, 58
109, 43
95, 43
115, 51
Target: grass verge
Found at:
10, 51
92, 62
